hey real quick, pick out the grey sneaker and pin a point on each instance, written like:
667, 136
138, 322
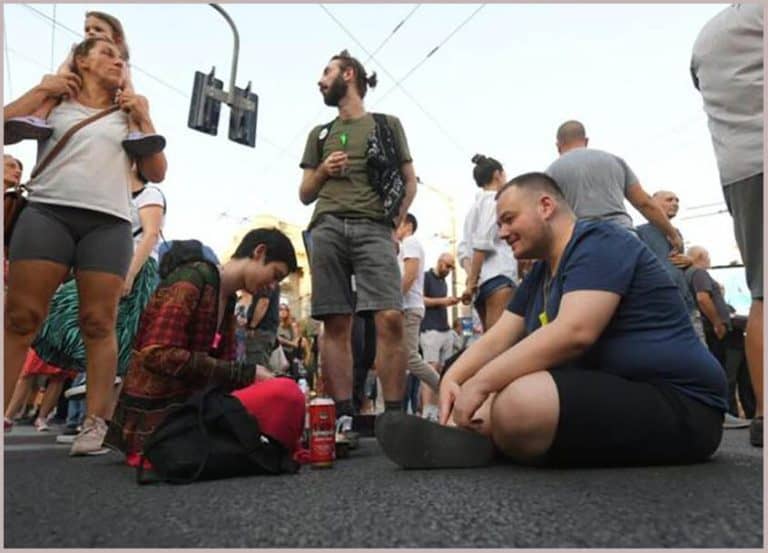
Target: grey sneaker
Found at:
91, 437
729, 421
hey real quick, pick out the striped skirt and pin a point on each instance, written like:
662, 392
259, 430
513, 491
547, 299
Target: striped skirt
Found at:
59, 341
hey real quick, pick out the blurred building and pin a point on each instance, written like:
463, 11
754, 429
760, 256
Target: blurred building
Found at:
297, 288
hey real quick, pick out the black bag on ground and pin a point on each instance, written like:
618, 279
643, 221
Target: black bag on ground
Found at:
208, 437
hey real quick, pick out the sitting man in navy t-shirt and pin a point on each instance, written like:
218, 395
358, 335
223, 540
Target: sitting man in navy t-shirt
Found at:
594, 363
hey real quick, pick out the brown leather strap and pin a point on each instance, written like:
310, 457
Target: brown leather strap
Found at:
64, 139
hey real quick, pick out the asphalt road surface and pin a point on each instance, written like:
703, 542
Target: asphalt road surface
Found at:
52, 500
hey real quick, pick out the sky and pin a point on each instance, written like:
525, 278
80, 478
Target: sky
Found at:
501, 81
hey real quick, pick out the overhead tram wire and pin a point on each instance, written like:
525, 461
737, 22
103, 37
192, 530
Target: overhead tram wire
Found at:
301, 131
432, 52
24, 57
133, 66
7, 61
398, 83
397, 28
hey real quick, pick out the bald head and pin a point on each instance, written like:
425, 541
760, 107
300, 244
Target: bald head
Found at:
445, 264
571, 134
667, 201
699, 257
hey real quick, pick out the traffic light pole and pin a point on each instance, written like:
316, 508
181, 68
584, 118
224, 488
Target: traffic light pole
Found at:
229, 98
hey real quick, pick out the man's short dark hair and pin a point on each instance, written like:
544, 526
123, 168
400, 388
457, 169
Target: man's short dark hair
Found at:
411, 218
279, 247
540, 182
362, 80
570, 131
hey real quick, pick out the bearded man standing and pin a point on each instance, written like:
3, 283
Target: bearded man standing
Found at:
351, 230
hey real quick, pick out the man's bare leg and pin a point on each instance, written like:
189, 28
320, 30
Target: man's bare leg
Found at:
391, 355
524, 416
336, 353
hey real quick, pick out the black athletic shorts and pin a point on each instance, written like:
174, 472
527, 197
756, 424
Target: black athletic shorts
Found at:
607, 420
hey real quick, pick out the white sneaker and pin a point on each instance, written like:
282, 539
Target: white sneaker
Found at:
431, 413
91, 438
41, 425
729, 421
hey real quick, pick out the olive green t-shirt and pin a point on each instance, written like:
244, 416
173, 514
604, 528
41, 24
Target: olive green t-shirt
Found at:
350, 196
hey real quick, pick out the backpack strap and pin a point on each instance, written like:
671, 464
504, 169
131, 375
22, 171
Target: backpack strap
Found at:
322, 136
381, 120
64, 139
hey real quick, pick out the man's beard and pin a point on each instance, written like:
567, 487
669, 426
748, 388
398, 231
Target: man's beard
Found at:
335, 92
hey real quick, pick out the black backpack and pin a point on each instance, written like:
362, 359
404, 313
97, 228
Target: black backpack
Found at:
211, 436
382, 163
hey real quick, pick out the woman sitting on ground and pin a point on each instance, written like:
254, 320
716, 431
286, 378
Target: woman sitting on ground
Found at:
186, 342
78, 216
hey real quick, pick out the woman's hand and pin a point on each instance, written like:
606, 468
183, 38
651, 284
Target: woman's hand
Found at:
136, 106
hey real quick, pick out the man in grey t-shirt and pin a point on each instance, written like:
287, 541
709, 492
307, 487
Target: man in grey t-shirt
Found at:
727, 68
595, 184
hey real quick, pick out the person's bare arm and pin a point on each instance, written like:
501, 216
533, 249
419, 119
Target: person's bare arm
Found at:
312, 180
409, 176
708, 309
641, 201
582, 318
151, 217
152, 167
51, 86
445, 301
410, 272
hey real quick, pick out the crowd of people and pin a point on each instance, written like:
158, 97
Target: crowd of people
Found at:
601, 342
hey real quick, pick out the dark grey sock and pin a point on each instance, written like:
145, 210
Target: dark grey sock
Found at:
344, 407
393, 406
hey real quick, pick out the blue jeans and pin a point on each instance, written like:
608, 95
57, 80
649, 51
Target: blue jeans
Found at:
76, 406
412, 385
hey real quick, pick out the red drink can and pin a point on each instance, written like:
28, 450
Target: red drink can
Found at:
322, 432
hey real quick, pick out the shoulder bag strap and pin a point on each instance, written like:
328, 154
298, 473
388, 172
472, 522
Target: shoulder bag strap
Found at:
64, 139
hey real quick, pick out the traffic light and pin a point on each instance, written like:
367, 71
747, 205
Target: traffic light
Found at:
243, 114
204, 110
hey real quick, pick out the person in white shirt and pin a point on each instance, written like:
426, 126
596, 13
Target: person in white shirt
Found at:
412, 259
489, 263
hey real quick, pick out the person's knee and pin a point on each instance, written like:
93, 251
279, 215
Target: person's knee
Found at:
97, 324
337, 326
23, 320
524, 416
389, 325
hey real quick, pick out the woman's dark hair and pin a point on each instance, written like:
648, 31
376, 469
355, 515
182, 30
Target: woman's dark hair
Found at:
83, 49
411, 218
484, 169
362, 80
118, 35
279, 247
